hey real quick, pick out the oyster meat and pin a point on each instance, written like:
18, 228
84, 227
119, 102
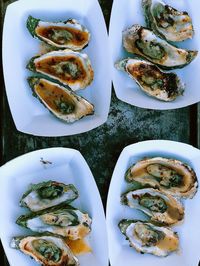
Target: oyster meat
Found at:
160, 207
48, 250
62, 220
68, 67
167, 22
154, 82
62, 35
60, 100
169, 175
146, 237
145, 43
47, 194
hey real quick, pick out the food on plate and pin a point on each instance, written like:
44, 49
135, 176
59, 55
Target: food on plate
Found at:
169, 175
68, 67
61, 35
143, 42
60, 101
167, 22
62, 220
48, 250
146, 237
47, 194
154, 82
159, 206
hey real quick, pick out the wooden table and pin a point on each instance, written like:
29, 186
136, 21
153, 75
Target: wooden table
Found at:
101, 147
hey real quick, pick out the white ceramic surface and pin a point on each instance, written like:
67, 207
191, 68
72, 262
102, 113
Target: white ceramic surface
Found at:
120, 253
125, 14
67, 166
29, 115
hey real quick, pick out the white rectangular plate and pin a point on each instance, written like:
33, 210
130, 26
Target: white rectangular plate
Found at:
188, 231
126, 89
67, 166
29, 115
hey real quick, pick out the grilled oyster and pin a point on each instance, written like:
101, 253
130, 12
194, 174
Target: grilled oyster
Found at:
160, 207
167, 22
154, 82
61, 101
62, 220
144, 42
48, 250
146, 237
69, 34
47, 194
70, 68
169, 175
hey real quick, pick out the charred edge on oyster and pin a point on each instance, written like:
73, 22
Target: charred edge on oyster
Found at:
166, 21
154, 82
62, 220
46, 249
68, 67
170, 175
60, 100
61, 35
149, 238
143, 42
48, 194
160, 207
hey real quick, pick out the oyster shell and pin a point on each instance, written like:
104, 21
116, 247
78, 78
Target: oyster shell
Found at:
62, 220
69, 34
169, 175
47, 194
154, 82
167, 22
160, 207
61, 101
68, 67
48, 250
146, 237
144, 42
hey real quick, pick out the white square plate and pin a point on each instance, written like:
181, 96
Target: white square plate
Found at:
19, 46
67, 166
188, 230
129, 12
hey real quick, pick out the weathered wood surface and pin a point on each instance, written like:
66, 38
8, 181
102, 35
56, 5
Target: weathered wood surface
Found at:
101, 147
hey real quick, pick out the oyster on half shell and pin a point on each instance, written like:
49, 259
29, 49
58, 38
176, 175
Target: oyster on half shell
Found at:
47, 194
159, 206
143, 42
68, 67
154, 82
48, 250
62, 220
169, 175
167, 22
146, 237
60, 101
62, 35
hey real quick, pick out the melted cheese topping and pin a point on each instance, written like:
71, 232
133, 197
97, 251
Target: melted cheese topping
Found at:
53, 94
77, 37
169, 243
59, 66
